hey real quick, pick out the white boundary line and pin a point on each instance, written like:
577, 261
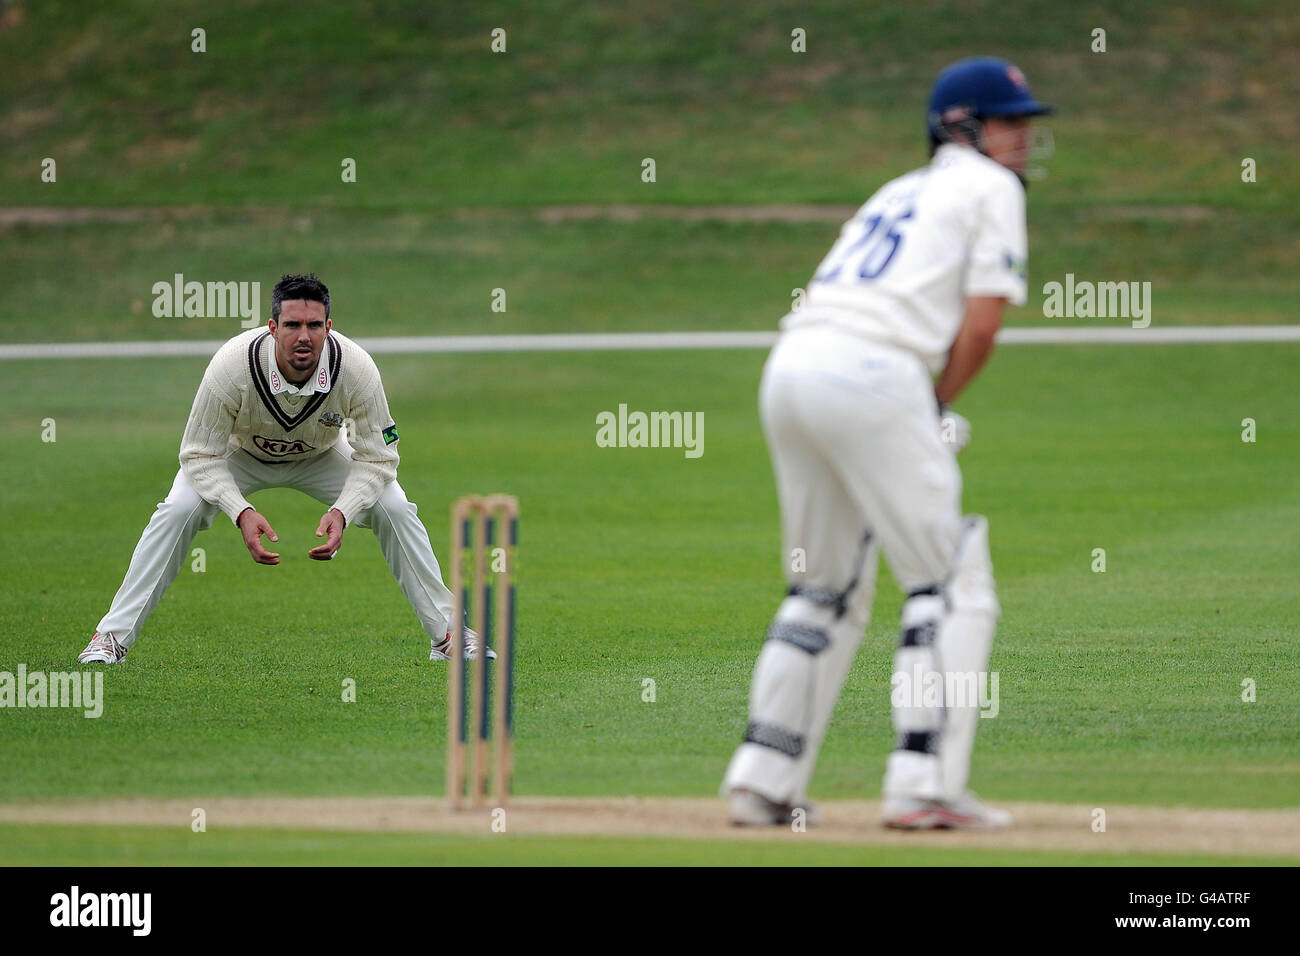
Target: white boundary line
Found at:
640, 341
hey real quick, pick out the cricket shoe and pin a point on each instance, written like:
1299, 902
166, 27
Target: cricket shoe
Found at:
441, 651
750, 809
102, 649
967, 812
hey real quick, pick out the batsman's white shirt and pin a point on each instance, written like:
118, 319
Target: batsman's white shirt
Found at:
244, 402
905, 263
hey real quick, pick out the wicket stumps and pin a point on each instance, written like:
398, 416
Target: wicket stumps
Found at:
484, 534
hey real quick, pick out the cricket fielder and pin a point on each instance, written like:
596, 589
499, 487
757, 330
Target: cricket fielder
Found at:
864, 449
269, 413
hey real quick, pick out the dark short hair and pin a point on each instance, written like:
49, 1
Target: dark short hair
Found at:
292, 287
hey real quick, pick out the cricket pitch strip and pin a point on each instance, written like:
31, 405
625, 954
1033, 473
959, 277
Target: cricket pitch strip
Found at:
1038, 826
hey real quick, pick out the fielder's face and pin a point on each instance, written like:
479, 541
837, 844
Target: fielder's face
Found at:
1006, 141
299, 338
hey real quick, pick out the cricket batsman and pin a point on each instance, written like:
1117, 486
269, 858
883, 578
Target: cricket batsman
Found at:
271, 412
864, 447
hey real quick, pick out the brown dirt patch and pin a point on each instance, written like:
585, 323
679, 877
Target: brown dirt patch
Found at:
771, 212
1149, 213
1038, 826
78, 215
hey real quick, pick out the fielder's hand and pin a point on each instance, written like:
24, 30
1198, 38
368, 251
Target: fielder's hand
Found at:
331, 524
252, 525
954, 429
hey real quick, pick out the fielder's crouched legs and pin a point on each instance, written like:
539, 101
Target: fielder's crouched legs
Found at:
946, 630
405, 542
162, 550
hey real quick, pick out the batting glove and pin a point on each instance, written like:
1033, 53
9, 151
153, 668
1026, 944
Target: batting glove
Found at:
954, 429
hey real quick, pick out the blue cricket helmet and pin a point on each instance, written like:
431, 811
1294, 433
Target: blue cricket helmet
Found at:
970, 90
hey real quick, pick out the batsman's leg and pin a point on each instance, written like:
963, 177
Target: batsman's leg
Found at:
819, 626
947, 630
951, 611
965, 642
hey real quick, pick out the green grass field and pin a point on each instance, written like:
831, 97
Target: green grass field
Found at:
426, 274
1116, 688
155, 846
586, 91
1121, 687
457, 146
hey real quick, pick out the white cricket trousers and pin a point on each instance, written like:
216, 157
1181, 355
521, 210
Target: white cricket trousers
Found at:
165, 544
854, 435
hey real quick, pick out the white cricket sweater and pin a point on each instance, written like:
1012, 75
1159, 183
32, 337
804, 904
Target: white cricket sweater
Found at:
244, 402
